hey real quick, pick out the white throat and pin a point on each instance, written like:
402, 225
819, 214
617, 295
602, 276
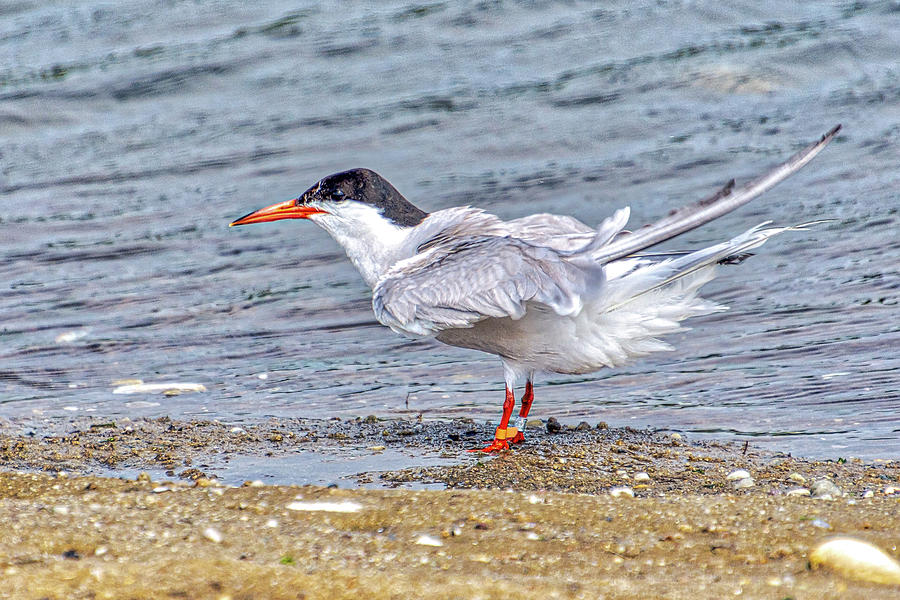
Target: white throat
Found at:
372, 243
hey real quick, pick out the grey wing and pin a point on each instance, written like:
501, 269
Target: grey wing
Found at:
568, 236
725, 200
559, 232
460, 283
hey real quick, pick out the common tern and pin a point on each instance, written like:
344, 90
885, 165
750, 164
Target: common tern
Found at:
542, 292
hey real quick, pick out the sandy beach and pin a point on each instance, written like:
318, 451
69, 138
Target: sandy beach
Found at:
590, 513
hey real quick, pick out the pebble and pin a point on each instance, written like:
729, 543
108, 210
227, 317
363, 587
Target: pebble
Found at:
825, 489
641, 476
376, 448
553, 426
856, 559
868, 494
345, 506
744, 483
891, 490
821, 524
213, 535
737, 475
621, 491
272, 523
161, 489
583, 426
797, 477
798, 492
427, 540
675, 436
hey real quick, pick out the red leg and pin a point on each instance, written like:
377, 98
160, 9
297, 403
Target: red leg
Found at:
500, 442
527, 399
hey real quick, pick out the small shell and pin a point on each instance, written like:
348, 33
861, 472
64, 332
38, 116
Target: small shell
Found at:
427, 540
737, 475
619, 491
345, 506
856, 559
213, 535
746, 482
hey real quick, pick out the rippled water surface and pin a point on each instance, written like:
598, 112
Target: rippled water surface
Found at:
132, 132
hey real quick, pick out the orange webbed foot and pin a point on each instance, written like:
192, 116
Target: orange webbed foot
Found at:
495, 446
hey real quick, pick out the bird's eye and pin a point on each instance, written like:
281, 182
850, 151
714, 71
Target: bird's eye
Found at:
337, 195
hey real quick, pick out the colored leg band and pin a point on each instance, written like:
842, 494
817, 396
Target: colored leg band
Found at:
506, 434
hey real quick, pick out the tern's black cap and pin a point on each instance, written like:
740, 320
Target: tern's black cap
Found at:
368, 187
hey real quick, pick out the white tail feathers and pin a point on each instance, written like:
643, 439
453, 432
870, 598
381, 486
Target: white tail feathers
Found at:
644, 299
658, 275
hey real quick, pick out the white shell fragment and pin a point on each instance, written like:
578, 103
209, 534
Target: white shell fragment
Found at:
342, 507
427, 540
213, 535
160, 388
621, 491
738, 475
856, 559
746, 482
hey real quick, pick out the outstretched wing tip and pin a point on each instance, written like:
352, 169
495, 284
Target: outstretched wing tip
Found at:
724, 200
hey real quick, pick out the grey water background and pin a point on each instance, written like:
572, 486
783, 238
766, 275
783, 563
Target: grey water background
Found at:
132, 132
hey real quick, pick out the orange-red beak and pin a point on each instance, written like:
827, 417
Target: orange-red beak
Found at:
283, 210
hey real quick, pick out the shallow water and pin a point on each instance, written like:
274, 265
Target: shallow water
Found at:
133, 132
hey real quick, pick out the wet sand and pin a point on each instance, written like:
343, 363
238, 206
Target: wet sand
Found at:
543, 522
